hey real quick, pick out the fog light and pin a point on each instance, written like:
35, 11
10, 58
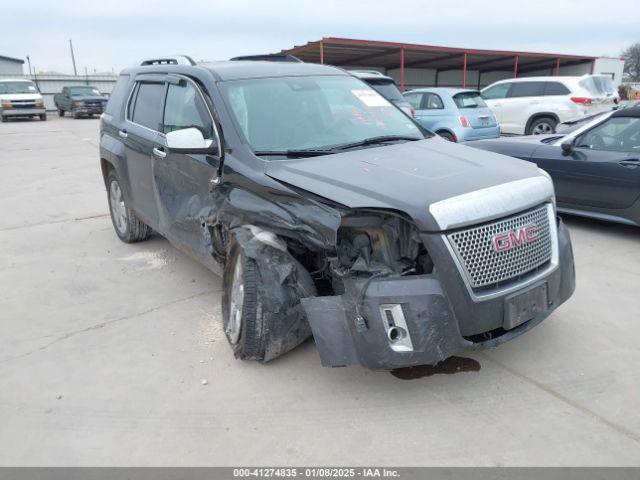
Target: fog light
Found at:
395, 327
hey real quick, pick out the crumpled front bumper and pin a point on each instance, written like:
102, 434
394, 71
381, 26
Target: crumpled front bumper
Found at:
441, 316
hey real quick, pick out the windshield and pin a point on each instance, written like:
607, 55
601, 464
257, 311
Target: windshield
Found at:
18, 87
294, 113
84, 91
387, 89
469, 100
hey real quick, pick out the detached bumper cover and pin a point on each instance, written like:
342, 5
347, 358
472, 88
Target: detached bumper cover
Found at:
440, 324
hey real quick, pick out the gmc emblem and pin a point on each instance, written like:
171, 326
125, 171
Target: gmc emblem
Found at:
520, 236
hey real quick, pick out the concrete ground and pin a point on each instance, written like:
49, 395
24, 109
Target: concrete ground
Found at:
104, 348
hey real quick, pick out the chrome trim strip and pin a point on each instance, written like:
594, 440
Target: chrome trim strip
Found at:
487, 295
490, 203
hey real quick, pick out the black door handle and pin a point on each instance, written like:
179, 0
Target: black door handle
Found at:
630, 162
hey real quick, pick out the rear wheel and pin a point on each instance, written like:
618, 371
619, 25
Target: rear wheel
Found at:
5, 119
43, 116
127, 225
542, 126
75, 114
60, 112
447, 136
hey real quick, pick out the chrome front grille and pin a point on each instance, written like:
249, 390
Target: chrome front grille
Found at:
485, 266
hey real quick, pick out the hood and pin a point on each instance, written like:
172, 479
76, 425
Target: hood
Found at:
409, 177
20, 96
519, 147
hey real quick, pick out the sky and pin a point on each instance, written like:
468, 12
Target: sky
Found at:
112, 35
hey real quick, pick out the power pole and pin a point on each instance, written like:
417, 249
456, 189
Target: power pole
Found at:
29, 64
73, 58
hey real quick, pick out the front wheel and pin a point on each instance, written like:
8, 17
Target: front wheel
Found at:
43, 117
60, 112
127, 225
542, 126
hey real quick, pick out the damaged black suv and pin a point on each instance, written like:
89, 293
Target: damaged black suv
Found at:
331, 213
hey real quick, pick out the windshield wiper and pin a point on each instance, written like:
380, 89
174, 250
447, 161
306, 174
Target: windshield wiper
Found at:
375, 140
316, 152
294, 153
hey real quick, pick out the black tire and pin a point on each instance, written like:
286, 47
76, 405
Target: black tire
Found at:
250, 343
129, 227
43, 117
60, 112
446, 135
75, 114
542, 126
5, 119
271, 320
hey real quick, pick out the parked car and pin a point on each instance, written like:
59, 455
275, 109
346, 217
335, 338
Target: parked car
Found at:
329, 211
535, 105
20, 98
571, 125
80, 101
595, 168
386, 87
455, 114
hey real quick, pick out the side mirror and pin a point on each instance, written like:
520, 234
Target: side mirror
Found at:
567, 147
190, 141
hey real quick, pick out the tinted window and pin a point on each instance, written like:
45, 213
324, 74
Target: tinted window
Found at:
185, 108
555, 88
495, 92
526, 89
414, 99
147, 110
386, 88
431, 101
617, 134
118, 95
469, 100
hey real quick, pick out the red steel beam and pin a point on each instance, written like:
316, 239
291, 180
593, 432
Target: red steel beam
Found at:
321, 52
515, 67
557, 67
402, 69
464, 72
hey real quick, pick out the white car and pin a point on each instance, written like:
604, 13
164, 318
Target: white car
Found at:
20, 98
535, 105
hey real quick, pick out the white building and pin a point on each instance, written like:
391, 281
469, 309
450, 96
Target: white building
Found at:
10, 65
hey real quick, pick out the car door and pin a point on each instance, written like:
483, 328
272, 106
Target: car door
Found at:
603, 171
184, 182
524, 99
494, 96
431, 112
140, 133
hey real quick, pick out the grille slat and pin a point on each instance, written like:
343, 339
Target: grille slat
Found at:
485, 267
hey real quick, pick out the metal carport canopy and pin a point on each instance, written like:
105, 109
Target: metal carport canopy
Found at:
349, 53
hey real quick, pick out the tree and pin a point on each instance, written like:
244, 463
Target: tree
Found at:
631, 57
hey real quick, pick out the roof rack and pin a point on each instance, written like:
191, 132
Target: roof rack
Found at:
268, 57
170, 60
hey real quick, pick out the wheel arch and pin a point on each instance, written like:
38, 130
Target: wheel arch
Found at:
538, 115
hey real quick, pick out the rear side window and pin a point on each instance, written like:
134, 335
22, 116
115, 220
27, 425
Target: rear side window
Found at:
555, 88
414, 99
496, 92
431, 101
526, 89
147, 110
469, 100
185, 108
118, 95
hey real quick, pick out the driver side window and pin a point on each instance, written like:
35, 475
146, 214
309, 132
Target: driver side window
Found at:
615, 134
184, 108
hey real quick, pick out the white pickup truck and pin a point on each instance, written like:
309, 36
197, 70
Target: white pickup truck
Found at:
20, 98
